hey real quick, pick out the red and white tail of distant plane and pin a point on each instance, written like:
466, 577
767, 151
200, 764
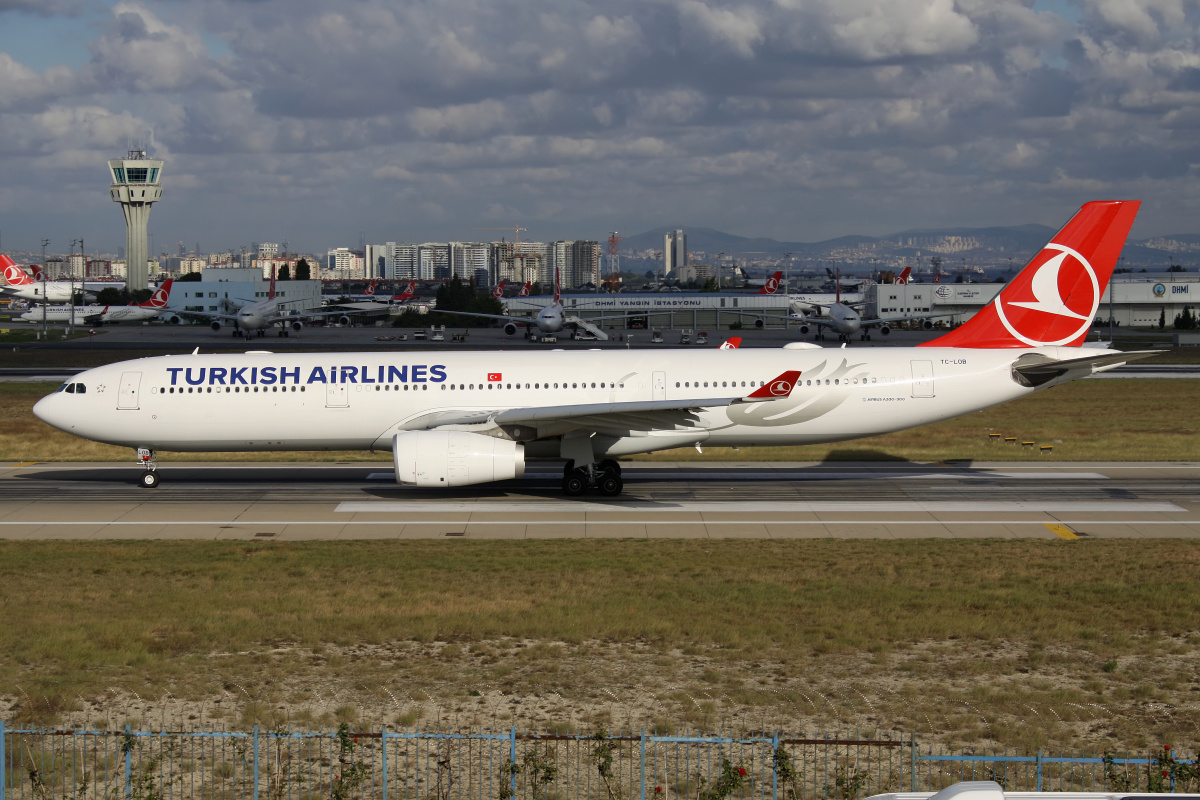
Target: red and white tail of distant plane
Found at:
407, 294
498, 292
457, 418
904, 276
525, 289
19, 284
772, 284
99, 315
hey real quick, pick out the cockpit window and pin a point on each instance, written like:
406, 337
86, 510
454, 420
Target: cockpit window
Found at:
63, 388
80, 388
73, 388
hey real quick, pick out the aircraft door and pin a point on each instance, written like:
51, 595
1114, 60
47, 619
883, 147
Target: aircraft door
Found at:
660, 386
336, 396
922, 379
127, 396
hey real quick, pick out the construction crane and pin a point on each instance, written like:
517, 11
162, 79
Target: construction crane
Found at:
512, 256
516, 229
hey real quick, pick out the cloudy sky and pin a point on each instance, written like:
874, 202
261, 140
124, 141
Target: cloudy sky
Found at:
310, 121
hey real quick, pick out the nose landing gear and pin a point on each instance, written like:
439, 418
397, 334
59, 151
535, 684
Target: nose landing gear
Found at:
603, 476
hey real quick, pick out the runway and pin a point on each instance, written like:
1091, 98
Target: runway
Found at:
851, 500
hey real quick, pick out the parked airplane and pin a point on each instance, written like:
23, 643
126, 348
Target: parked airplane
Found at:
772, 284
845, 320
100, 315
19, 284
459, 418
407, 294
551, 319
263, 315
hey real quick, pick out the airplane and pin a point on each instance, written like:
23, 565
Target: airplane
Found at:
845, 320
407, 294
462, 418
99, 315
262, 315
549, 320
772, 284
19, 284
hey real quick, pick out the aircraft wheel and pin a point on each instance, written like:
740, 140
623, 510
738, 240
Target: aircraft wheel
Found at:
149, 480
610, 485
573, 485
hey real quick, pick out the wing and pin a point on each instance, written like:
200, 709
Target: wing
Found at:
533, 422
208, 315
890, 320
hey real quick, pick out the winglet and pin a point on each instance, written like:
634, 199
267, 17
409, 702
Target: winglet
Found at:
776, 388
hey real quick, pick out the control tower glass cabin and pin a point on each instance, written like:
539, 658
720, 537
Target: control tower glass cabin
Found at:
135, 185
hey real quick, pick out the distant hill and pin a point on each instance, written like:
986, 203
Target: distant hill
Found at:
993, 247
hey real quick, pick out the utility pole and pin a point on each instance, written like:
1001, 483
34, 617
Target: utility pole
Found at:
45, 331
71, 284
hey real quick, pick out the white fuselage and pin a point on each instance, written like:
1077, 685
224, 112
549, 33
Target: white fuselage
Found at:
270, 401
86, 314
49, 292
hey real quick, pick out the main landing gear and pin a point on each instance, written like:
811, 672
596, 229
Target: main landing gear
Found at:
147, 459
604, 476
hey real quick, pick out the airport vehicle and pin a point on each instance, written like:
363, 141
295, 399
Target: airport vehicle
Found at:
467, 417
438, 333
100, 315
264, 314
19, 284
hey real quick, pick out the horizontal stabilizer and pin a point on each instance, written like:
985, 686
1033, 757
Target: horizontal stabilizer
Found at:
1035, 369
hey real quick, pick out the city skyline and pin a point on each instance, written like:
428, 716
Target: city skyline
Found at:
792, 120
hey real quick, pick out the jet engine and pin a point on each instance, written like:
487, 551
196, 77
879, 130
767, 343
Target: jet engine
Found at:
296, 326
927, 324
510, 329
803, 330
758, 323
454, 458
344, 321
884, 330
216, 326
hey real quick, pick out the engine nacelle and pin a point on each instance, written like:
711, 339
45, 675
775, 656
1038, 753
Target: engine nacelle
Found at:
455, 458
216, 326
758, 323
884, 330
803, 330
344, 321
927, 324
296, 326
510, 329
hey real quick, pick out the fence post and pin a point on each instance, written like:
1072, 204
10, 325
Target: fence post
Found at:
512, 756
3, 763
774, 772
643, 764
912, 737
1039, 770
383, 746
128, 764
255, 762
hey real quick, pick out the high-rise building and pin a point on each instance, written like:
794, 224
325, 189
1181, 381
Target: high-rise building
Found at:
135, 185
674, 251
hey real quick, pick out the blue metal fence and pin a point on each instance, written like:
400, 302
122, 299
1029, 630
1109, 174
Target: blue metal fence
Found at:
279, 764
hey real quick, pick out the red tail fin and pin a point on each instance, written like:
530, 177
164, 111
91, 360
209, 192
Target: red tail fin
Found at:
12, 273
903, 277
1053, 299
271, 292
499, 290
557, 291
370, 289
525, 289
159, 298
772, 284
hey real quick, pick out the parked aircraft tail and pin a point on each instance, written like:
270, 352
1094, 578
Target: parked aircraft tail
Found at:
772, 284
1053, 300
499, 290
159, 298
525, 289
903, 277
14, 275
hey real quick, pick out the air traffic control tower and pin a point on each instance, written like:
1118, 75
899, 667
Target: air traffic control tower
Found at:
135, 186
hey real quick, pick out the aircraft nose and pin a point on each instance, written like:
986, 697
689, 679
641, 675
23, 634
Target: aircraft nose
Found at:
50, 411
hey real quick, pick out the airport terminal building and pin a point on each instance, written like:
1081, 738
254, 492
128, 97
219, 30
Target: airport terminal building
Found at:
1139, 300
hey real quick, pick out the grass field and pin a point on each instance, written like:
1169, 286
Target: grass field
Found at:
1126, 420
976, 643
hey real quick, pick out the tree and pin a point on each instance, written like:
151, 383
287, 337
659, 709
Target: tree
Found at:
302, 270
285, 274
1176, 268
1186, 320
191, 277
1162, 319
710, 285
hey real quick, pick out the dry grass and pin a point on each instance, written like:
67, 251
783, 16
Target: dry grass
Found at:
984, 643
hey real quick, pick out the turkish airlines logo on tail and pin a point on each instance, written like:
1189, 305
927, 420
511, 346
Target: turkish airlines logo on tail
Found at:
15, 275
499, 290
772, 284
1055, 304
159, 298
